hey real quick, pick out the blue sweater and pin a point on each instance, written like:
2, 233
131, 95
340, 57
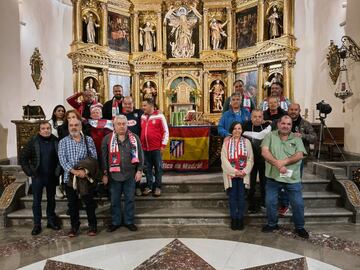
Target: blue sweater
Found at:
229, 117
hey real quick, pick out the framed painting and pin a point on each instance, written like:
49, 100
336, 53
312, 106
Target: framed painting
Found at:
246, 28
250, 83
119, 32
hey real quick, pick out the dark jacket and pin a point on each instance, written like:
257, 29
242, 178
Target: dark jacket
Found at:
107, 109
307, 131
134, 121
127, 169
84, 185
274, 117
30, 156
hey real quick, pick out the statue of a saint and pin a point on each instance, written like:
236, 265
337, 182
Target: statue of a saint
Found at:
147, 38
217, 96
274, 21
217, 32
149, 91
182, 22
90, 87
90, 28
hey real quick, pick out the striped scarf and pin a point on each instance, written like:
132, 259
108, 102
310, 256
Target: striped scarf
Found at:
115, 107
101, 123
114, 153
237, 153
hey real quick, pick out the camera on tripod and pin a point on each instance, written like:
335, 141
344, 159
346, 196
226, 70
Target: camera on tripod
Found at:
323, 108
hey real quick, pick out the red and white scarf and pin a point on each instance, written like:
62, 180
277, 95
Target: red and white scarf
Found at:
114, 153
237, 153
247, 102
115, 107
101, 123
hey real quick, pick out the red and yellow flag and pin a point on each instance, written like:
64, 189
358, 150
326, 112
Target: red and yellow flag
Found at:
188, 149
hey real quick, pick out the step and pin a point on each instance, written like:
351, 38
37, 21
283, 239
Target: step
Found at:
190, 216
196, 200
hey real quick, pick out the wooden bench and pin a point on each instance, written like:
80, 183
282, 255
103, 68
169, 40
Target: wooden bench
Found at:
338, 133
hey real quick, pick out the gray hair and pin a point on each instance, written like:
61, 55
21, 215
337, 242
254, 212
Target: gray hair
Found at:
236, 95
120, 117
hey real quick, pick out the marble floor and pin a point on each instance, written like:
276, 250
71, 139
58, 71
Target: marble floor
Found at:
330, 246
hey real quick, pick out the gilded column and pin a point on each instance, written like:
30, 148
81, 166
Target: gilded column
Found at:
206, 103
159, 33
161, 91
229, 28
136, 31
78, 20
260, 83
261, 18
230, 79
206, 29
288, 78
106, 83
287, 16
104, 25
136, 94
79, 79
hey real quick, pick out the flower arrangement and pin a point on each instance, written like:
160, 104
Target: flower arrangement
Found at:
195, 93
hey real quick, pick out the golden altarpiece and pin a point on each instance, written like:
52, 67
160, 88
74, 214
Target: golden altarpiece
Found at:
186, 54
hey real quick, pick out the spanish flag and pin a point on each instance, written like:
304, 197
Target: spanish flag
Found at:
188, 149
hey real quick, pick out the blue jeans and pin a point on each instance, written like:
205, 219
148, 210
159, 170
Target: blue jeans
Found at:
283, 197
153, 159
117, 188
236, 198
38, 184
296, 201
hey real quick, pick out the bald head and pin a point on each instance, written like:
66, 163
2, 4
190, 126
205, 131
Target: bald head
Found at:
128, 104
294, 111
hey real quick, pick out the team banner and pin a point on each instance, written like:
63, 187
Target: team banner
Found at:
188, 149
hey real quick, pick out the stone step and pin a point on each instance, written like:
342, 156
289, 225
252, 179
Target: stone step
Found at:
196, 200
189, 216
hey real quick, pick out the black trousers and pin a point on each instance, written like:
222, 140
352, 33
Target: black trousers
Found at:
259, 167
74, 205
38, 184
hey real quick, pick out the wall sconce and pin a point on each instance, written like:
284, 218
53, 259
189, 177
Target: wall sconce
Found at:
338, 71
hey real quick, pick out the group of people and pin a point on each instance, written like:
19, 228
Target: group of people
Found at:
268, 144
111, 143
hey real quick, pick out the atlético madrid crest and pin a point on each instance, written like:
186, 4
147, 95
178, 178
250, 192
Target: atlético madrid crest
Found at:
177, 148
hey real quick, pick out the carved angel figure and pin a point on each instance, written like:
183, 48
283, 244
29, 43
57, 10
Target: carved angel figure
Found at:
182, 22
217, 32
147, 38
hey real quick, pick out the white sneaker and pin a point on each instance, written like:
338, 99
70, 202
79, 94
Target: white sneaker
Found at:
59, 193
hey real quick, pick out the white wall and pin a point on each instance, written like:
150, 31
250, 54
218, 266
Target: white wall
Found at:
316, 23
9, 74
51, 31
351, 116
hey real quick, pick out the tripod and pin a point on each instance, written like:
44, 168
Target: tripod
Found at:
322, 126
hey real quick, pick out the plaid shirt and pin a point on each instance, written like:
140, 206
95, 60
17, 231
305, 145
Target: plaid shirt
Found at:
71, 152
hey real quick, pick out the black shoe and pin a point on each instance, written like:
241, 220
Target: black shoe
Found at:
36, 230
233, 225
131, 227
267, 228
113, 227
53, 225
302, 233
240, 224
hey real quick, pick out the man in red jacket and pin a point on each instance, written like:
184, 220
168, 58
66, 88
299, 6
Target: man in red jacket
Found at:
82, 107
154, 137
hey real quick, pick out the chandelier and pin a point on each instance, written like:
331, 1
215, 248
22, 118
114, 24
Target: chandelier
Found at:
338, 71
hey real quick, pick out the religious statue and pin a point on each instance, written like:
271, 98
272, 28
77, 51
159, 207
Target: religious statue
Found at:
90, 28
216, 28
147, 38
275, 25
89, 86
149, 91
182, 22
217, 96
